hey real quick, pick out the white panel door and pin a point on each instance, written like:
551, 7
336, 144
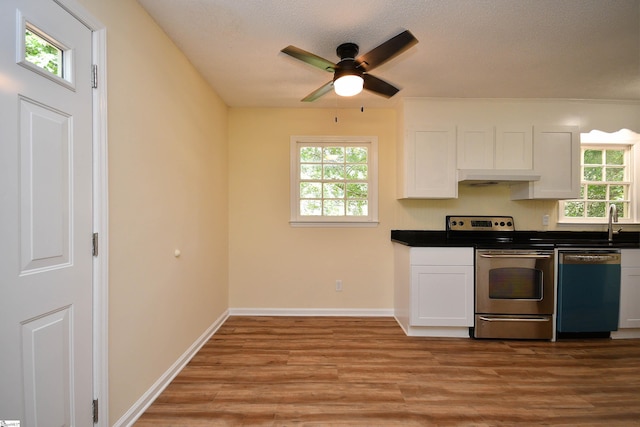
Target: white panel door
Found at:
45, 219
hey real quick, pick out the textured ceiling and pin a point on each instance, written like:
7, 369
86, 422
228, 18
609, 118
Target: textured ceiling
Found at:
584, 49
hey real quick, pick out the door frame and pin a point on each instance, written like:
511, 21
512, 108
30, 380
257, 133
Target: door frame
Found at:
100, 282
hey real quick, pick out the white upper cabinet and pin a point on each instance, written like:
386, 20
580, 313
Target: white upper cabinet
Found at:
428, 163
476, 147
445, 141
556, 157
514, 147
495, 147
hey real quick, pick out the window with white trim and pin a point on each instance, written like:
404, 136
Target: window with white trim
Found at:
334, 181
609, 176
38, 51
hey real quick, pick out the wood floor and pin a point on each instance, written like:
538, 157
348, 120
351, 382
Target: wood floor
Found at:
285, 371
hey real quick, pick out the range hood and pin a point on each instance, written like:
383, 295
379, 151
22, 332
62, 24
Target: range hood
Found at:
495, 176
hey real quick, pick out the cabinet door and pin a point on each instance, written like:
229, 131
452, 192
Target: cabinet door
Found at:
430, 163
442, 296
556, 158
630, 298
475, 147
514, 147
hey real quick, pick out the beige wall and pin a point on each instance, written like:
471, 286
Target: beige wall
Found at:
274, 265
168, 190
490, 200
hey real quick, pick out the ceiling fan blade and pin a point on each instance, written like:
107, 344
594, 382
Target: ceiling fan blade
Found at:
387, 50
379, 86
319, 92
309, 58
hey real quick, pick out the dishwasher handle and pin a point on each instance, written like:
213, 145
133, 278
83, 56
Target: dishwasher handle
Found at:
589, 258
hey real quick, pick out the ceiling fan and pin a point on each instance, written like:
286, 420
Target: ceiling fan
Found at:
351, 74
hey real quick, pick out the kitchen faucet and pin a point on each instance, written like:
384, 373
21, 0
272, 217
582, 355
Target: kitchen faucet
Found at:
613, 217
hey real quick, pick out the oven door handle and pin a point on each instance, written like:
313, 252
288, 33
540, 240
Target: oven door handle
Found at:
514, 319
530, 256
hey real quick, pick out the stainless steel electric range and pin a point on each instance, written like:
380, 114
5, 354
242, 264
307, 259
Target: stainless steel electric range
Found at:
514, 295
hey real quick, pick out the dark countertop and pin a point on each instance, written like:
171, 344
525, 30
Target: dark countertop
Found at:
520, 239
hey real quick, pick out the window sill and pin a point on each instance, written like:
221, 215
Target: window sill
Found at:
596, 223
336, 224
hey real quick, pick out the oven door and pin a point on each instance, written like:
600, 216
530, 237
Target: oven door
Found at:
516, 282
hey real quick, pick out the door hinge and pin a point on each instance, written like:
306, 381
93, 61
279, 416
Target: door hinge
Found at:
95, 411
94, 244
94, 76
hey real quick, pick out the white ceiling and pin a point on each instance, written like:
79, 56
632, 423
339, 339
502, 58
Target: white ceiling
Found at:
585, 49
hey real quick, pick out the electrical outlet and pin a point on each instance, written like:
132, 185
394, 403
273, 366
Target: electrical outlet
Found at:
338, 285
545, 219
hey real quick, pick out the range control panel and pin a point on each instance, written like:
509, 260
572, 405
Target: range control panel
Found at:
480, 223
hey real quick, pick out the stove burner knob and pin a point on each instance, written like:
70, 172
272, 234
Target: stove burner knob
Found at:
509, 223
461, 223
502, 223
454, 223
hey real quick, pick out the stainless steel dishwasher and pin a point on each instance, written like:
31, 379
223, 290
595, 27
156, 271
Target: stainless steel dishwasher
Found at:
588, 293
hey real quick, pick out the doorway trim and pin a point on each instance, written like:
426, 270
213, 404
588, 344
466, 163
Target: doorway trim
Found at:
100, 207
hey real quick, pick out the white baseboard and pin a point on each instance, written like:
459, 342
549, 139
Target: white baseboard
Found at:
621, 334
158, 387
349, 312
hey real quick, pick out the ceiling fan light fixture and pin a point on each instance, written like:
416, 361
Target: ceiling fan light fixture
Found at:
352, 74
348, 85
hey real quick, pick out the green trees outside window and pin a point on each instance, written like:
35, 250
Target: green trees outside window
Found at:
334, 180
43, 53
604, 182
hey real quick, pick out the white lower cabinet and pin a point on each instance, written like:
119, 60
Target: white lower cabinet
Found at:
630, 289
434, 291
442, 295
